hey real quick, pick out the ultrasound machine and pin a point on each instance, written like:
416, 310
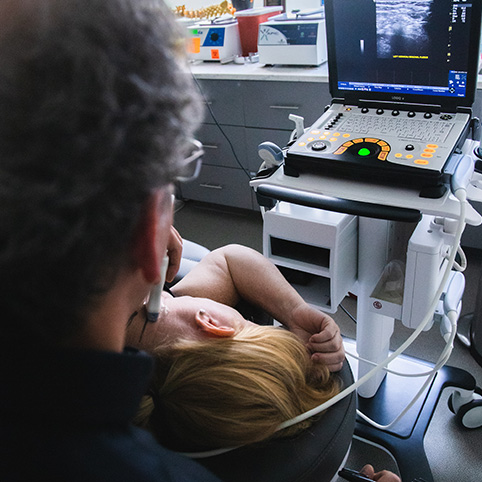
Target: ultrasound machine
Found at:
397, 149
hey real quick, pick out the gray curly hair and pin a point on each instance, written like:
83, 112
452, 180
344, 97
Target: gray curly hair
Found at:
95, 105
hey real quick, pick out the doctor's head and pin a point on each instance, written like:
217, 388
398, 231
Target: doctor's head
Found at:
95, 111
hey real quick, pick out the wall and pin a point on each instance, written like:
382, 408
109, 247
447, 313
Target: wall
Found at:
290, 4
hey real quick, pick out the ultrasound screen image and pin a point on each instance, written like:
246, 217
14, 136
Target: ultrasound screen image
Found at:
401, 27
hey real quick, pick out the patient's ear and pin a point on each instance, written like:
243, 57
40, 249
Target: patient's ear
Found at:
212, 326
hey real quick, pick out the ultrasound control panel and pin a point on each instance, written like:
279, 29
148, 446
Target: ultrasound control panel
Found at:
400, 145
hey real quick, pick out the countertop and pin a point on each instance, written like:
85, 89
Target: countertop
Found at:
257, 71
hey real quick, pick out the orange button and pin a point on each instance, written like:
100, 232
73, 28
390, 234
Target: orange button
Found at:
424, 154
348, 143
386, 148
421, 162
340, 150
382, 143
356, 141
432, 146
398, 154
382, 156
346, 135
336, 134
409, 156
215, 54
369, 139
429, 150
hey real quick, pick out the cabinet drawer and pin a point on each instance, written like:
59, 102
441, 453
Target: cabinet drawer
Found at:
224, 98
217, 148
254, 137
268, 104
220, 185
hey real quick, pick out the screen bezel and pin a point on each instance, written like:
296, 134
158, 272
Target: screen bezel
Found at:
448, 104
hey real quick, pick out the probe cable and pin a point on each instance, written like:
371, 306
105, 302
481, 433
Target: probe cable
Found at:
460, 194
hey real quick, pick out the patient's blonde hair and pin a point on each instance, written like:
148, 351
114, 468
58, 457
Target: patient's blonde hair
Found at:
233, 391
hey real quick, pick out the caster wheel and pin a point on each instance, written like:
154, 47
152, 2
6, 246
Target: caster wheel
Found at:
450, 403
469, 415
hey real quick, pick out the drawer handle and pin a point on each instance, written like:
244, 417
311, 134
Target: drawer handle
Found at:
287, 107
212, 186
210, 146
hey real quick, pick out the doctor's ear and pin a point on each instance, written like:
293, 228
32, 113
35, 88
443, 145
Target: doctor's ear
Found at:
212, 326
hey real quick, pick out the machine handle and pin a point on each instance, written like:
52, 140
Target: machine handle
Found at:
212, 186
339, 205
287, 107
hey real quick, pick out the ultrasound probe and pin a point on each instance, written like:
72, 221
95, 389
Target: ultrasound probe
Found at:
154, 305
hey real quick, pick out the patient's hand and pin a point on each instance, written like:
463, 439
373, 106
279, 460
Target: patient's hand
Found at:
321, 335
174, 251
383, 476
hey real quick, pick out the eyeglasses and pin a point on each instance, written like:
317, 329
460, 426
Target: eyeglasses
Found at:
191, 166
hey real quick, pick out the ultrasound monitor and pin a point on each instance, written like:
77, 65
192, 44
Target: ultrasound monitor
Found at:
403, 78
423, 51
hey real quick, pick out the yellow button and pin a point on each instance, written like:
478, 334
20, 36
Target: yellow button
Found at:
369, 139
322, 137
346, 135
386, 148
333, 139
409, 156
421, 162
326, 133
315, 132
398, 155
301, 144
336, 134
310, 139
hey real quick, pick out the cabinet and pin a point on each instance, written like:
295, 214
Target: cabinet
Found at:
239, 116
316, 251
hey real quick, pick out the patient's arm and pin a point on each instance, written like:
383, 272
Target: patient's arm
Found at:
236, 272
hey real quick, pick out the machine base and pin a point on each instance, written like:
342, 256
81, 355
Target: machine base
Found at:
405, 439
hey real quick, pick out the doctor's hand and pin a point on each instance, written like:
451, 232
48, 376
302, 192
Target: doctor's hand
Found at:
382, 476
321, 335
174, 251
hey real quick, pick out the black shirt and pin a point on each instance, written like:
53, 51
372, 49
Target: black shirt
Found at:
65, 416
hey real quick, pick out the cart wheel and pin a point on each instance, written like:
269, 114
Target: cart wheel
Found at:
470, 414
450, 403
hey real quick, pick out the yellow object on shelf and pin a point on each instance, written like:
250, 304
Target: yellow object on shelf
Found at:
206, 12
